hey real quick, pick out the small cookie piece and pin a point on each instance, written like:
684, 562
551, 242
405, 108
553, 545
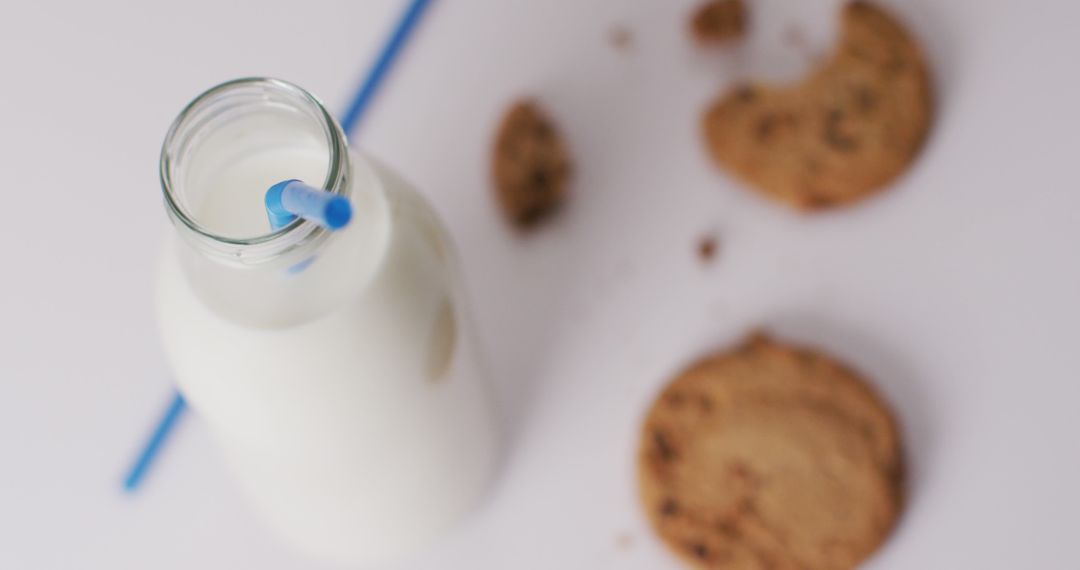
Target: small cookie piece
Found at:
840, 135
718, 21
770, 457
621, 38
530, 165
706, 248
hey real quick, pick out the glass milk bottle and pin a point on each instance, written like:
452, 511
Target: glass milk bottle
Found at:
337, 370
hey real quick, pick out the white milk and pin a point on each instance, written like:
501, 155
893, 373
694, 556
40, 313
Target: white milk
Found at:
347, 396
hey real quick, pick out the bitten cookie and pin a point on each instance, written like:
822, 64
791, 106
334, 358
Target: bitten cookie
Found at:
770, 457
841, 134
718, 21
530, 166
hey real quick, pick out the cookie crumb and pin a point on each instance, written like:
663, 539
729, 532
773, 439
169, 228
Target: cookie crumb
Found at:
624, 541
530, 165
621, 38
718, 21
706, 248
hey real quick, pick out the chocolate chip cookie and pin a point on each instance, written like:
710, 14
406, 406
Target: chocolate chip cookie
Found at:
530, 165
844, 132
770, 456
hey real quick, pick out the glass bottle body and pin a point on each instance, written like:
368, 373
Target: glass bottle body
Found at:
339, 370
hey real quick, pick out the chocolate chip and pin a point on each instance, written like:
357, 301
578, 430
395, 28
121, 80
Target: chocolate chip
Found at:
833, 135
699, 550
740, 471
663, 447
669, 507
765, 127
706, 404
728, 527
675, 399
865, 99
745, 94
770, 124
543, 131
540, 180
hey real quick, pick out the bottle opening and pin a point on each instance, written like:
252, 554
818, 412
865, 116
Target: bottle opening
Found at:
231, 144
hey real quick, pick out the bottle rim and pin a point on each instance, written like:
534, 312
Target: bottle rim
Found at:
199, 115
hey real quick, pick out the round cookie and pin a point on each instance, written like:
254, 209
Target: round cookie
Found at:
841, 134
761, 458
530, 165
761, 369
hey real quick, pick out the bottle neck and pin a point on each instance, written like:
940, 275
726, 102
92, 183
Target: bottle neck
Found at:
222, 154
227, 147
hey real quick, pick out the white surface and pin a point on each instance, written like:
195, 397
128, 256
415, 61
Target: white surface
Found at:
956, 290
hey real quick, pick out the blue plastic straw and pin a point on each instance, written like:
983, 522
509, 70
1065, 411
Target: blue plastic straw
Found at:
289, 199
382, 64
161, 433
361, 101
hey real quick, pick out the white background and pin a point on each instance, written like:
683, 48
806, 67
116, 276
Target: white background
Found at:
956, 290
